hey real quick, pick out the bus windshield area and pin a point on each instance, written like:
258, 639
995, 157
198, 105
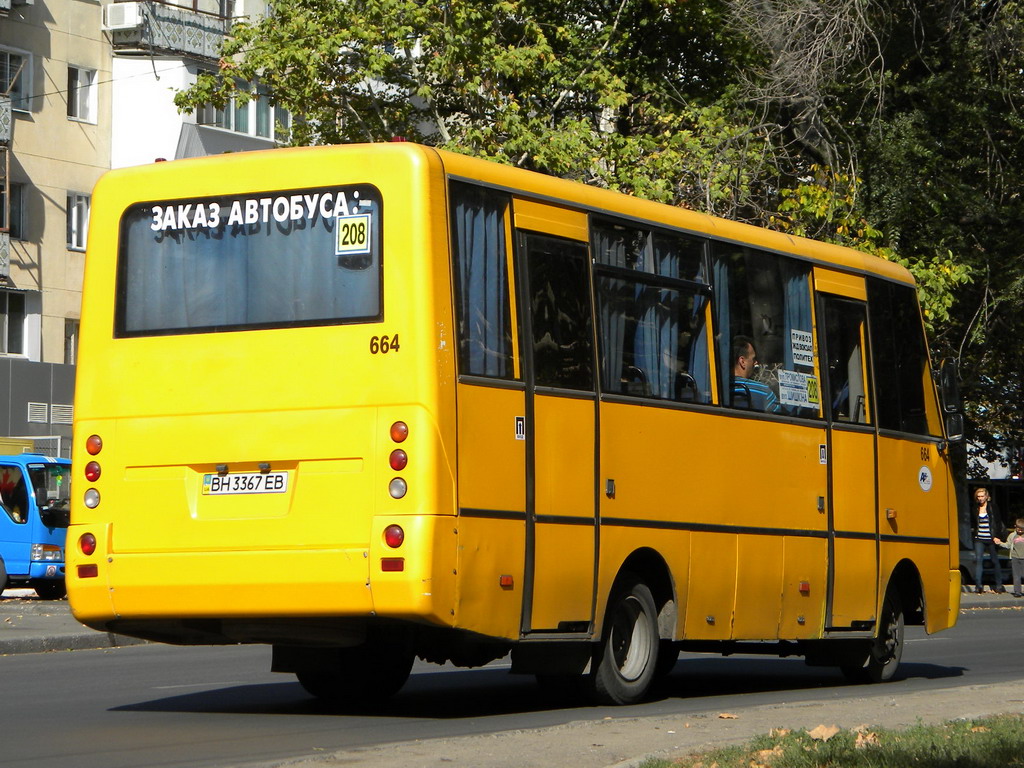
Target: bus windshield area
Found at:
274, 259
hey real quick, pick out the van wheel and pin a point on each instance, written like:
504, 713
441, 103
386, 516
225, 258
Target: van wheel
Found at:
883, 653
52, 589
627, 657
368, 673
3, 577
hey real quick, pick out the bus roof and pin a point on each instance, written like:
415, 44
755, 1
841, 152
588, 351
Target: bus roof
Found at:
248, 166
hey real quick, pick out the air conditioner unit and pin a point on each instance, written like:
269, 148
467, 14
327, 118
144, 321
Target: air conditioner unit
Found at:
122, 16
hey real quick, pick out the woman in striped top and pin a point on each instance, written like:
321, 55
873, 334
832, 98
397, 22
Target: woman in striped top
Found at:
986, 525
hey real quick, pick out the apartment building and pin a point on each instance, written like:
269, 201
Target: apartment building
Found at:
88, 85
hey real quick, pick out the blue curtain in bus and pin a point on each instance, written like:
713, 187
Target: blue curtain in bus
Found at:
485, 340
614, 296
720, 300
796, 303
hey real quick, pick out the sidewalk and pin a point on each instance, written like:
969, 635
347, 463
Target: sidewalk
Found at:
31, 625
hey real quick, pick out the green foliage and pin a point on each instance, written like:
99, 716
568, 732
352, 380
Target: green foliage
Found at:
987, 743
891, 127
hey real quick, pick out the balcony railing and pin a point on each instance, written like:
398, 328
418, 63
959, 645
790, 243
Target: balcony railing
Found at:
193, 28
5, 255
5, 119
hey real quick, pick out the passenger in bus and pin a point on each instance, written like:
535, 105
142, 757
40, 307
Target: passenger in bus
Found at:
987, 524
748, 392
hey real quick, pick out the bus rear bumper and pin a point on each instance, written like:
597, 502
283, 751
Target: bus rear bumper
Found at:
320, 596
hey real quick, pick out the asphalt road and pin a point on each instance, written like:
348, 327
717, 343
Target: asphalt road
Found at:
166, 706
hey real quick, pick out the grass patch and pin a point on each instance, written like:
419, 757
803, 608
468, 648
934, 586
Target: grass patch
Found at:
987, 743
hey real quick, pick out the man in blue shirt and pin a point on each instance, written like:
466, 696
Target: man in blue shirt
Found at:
748, 392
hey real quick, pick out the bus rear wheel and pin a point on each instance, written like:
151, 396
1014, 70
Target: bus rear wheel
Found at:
627, 658
368, 673
883, 653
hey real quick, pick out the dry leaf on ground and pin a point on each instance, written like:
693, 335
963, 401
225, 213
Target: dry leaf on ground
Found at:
823, 732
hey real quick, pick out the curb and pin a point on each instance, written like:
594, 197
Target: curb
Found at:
70, 642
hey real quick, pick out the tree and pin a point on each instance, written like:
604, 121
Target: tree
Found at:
888, 126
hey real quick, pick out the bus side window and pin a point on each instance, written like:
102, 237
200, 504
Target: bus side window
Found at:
765, 299
905, 400
652, 307
483, 313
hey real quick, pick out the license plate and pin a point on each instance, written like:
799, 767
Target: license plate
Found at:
245, 482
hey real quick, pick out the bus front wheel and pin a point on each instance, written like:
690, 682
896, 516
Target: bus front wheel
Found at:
365, 674
883, 653
627, 658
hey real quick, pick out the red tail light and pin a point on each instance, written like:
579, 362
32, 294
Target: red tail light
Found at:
93, 444
87, 543
398, 459
92, 471
394, 536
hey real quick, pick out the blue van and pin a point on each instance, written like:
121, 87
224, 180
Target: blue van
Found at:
35, 510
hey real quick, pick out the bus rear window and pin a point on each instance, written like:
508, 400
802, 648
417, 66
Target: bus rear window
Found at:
268, 260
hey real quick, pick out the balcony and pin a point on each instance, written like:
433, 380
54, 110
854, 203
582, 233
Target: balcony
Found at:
192, 28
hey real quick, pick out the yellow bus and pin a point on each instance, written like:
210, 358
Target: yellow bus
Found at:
376, 402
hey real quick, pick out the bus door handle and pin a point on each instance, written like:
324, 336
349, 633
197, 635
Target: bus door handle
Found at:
609, 488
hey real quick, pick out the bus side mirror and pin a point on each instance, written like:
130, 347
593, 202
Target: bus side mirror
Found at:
949, 386
954, 427
949, 389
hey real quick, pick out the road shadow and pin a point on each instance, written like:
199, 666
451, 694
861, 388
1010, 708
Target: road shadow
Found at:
486, 693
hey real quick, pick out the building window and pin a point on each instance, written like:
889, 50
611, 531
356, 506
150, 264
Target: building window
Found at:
255, 117
78, 221
82, 94
70, 341
16, 77
11, 210
12, 323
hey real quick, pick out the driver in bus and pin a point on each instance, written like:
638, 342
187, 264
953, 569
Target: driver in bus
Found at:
748, 392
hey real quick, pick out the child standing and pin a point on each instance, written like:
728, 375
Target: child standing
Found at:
1015, 543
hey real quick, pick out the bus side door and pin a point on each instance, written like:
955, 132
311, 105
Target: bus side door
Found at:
852, 521
559, 366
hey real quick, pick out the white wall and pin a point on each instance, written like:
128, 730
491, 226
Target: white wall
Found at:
146, 124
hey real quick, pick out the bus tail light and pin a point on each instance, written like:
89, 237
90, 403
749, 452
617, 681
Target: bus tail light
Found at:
92, 471
398, 459
392, 564
399, 431
87, 543
394, 536
92, 498
93, 444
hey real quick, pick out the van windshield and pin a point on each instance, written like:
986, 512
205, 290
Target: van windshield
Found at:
51, 484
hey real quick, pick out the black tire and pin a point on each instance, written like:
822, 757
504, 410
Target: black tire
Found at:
882, 653
3, 577
367, 673
51, 589
627, 658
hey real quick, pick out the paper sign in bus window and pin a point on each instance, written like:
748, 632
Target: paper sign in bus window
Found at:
802, 345
353, 235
